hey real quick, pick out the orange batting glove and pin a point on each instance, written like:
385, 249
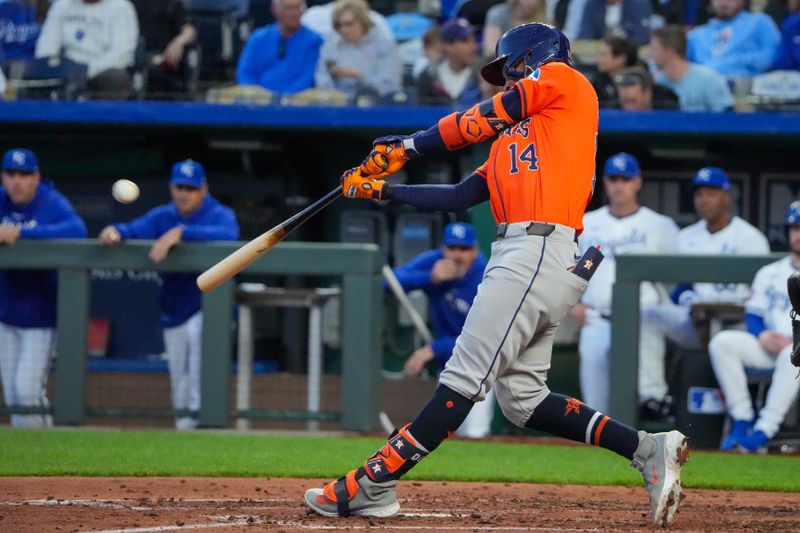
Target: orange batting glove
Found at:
354, 185
384, 159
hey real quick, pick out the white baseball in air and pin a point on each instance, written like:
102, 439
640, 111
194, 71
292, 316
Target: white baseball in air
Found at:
125, 191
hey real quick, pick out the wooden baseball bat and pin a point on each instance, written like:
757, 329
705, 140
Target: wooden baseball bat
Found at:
255, 249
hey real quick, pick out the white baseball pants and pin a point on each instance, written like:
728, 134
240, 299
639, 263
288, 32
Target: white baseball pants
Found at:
731, 352
594, 347
183, 350
478, 423
25, 357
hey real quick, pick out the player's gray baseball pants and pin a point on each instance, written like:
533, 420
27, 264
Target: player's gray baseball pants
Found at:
507, 339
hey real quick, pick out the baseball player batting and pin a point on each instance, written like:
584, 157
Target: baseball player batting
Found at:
538, 178
766, 344
30, 208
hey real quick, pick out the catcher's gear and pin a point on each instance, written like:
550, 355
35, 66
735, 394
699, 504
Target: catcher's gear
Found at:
354, 185
386, 158
793, 286
522, 50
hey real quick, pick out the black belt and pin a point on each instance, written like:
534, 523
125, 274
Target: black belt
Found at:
540, 229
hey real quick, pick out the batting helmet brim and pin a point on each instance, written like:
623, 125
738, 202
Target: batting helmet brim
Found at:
493, 71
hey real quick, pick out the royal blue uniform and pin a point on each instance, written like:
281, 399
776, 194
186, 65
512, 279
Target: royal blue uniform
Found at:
449, 301
180, 298
28, 297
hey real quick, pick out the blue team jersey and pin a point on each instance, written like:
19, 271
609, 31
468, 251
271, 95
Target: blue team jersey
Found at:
28, 297
180, 298
449, 301
19, 30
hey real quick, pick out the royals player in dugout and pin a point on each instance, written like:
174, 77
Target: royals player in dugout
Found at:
539, 178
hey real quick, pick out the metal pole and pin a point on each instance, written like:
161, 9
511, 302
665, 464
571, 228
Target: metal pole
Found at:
314, 360
245, 363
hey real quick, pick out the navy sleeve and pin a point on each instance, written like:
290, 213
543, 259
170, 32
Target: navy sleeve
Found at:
458, 197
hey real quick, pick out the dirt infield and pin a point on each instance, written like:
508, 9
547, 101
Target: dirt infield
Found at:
68, 504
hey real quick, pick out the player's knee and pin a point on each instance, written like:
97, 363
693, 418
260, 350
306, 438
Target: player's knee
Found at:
518, 410
722, 344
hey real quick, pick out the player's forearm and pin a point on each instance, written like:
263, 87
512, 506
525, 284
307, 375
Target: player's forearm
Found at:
73, 228
458, 197
477, 124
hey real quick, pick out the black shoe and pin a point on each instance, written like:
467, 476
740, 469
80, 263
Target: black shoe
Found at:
656, 410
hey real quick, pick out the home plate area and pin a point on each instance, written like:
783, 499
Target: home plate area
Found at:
142, 504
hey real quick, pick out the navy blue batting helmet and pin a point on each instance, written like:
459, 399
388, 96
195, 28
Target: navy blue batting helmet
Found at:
524, 49
792, 217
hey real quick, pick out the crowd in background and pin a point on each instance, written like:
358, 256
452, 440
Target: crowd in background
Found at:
639, 54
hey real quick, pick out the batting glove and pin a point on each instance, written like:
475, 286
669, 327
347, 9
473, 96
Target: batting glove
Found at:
389, 154
354, 185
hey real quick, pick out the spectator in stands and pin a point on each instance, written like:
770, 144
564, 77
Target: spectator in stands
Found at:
192, 216
30, 208
281, 57
698, 87
718, 232
20, 24
454, 79
450, 276
358, 59
736, 42
167, 33
766, 345
102, 34
568, 16
433, 48
507, 15
615, 55
319, 18
607, 18
788, 56
638, 92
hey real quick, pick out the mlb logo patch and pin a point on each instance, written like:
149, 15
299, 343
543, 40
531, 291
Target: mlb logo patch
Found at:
705, 401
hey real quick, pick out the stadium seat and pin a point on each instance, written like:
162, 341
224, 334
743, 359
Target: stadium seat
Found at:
54, 78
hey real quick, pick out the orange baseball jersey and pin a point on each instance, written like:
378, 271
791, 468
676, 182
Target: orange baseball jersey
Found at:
543, 168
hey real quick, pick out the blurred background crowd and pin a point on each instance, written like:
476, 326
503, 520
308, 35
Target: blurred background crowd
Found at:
693, 55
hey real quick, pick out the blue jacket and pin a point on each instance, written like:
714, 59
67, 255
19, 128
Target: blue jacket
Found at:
18, 30
279, 64
742, 46
180, 298
449, 301
28, 297
788, 56
635, 20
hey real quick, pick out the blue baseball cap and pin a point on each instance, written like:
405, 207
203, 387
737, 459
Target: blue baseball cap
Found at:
456, 29
459, 234
622, 164
711, 177
189, 173
20, 159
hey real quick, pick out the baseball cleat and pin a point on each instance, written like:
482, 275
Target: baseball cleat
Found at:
354, 494
755, 442
738, 432
659, 458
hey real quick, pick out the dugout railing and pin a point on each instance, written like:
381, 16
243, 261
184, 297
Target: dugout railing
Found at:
358, 265
631, 271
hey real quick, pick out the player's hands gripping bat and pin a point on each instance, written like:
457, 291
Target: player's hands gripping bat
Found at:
389, 154
793, 287
354, 185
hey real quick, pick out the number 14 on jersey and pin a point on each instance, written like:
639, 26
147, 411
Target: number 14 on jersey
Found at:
527, 156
